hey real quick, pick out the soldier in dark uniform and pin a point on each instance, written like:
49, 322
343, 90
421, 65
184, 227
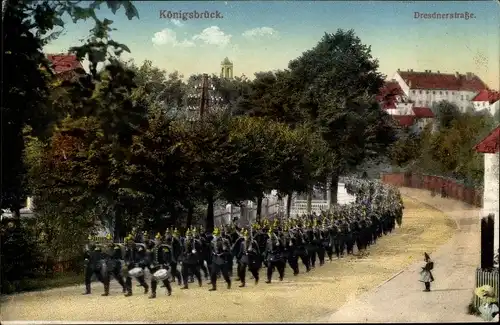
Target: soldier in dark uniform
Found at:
95, 263
249, 257
190, 259
198, 236
172, 240
158, 257
220, 260
311, 245
115, 265
274, 256
318, 242
134, 257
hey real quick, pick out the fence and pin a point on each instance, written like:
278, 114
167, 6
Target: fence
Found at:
436, 184
247, 214
486, 277
299, 207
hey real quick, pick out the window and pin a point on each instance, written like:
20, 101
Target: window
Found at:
433, 92
420, 92
413, 92
427, 92
446, 92
453, 93
467, 97
462, 97
440, 92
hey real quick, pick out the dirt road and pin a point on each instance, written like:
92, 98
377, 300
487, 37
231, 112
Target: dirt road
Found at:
454, 271
306, 297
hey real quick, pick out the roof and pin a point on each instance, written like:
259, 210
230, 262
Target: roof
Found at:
64, 62
487, 95
490, 143
423, 112
404, 120
387, 94
226, 61
444, 81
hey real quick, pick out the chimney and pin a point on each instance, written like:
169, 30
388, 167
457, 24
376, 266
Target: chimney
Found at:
457, 75
468, 76
399, 70
409, 83
430, 71
411, 70
438, 72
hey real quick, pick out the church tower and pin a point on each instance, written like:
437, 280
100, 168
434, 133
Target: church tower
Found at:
226, 70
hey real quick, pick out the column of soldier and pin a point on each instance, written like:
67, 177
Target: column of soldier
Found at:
269, 244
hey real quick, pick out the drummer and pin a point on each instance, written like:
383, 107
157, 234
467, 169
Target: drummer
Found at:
157, 261
134, 260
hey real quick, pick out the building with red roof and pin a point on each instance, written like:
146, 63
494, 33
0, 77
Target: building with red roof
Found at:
487, 99
489, 146
64, 65
428, 88
395, 102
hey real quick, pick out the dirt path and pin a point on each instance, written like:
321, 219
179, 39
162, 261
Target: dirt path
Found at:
303, 298
454, 271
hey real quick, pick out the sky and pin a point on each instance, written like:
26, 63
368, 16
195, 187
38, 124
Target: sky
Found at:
266, 35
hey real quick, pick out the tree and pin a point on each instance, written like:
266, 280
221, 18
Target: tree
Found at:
164, 91
271, 95
338, 81
406, 149
445, 113
86, 169
28, 26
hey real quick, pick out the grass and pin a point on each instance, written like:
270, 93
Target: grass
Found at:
43, 283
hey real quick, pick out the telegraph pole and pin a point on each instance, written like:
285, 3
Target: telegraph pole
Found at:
205, 97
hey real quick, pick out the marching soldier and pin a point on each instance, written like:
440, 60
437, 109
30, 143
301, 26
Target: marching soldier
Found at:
172, 240
159, 257
95, 263
134, 260
115, 265
274, 256
190, 259
220, 260
248, 257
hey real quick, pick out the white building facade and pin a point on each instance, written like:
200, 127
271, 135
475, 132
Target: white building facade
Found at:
491, 205
428, 88
487, 100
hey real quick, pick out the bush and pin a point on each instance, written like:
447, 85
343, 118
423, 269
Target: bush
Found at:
41, 283
19, 255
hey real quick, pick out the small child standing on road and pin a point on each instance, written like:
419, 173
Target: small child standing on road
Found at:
426, 274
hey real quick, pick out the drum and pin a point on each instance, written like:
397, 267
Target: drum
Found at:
136, 272
161, 274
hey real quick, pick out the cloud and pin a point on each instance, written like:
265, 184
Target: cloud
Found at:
169, 37
213, 36
260, 32
177, 22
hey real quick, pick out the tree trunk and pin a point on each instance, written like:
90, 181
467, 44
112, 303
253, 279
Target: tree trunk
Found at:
309, 201
189, 220
5, 4
259, 208
288, 205
334, 189
209, 221
117, 232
